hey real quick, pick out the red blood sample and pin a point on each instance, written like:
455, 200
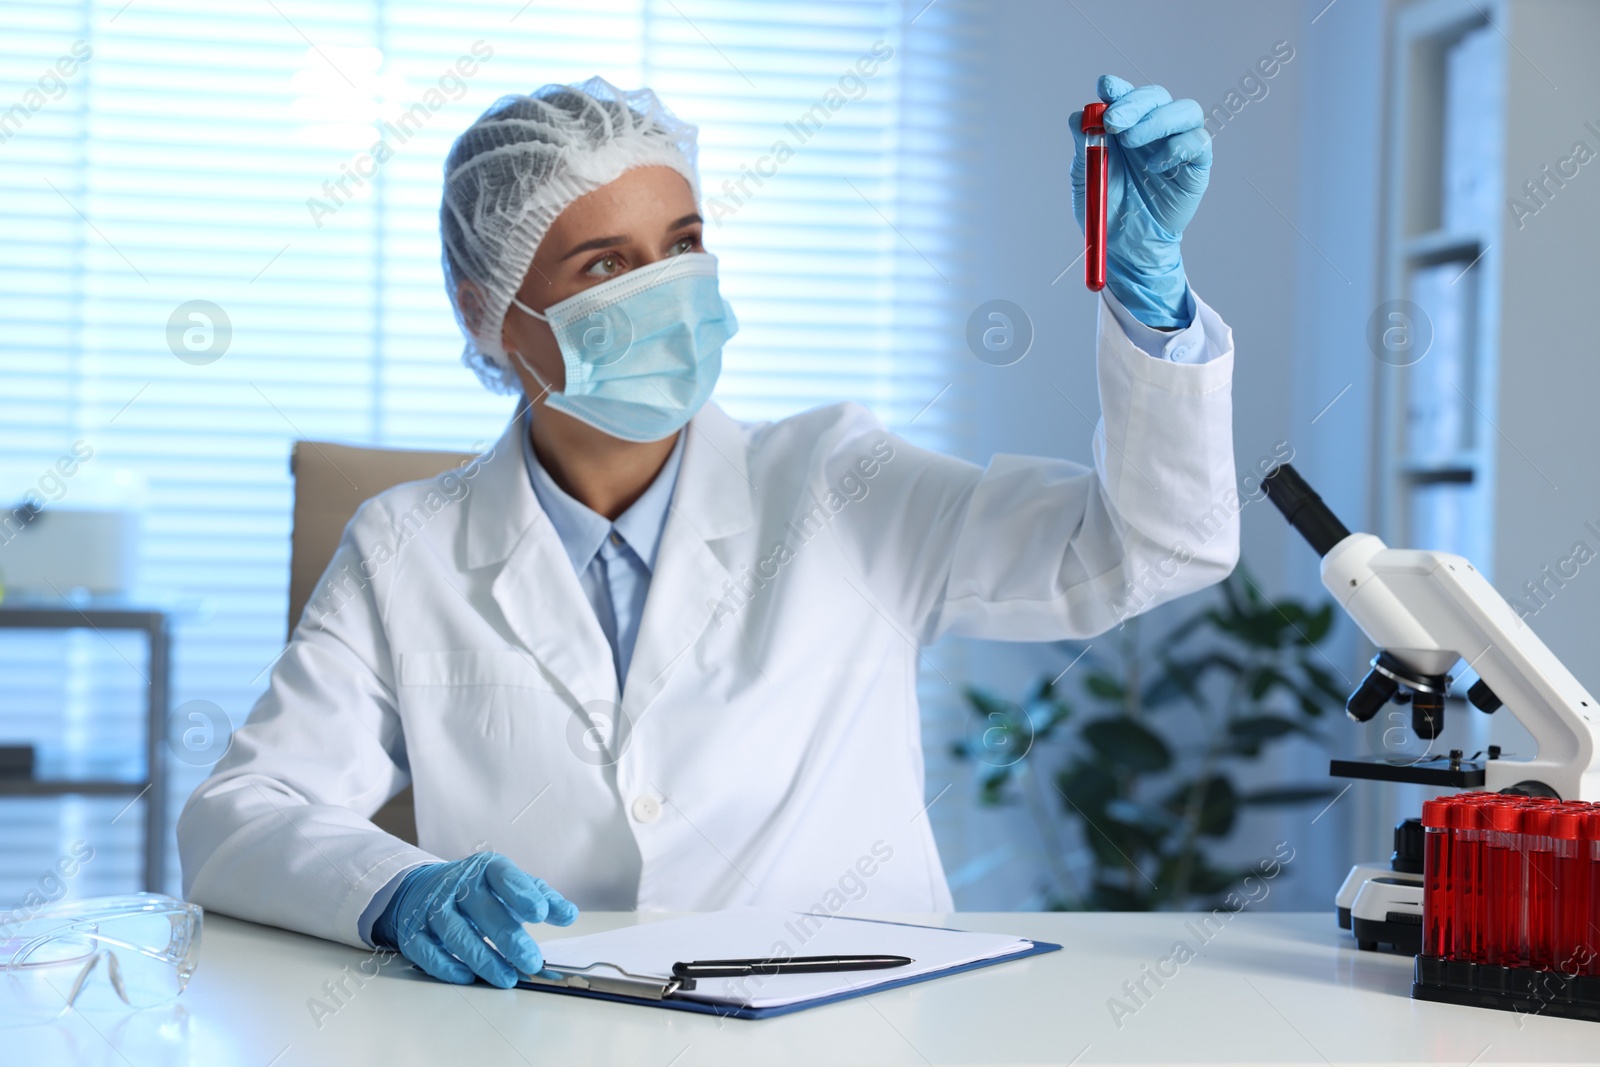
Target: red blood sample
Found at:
1096, 178
1539, 939
1591, 848
1505, 886
1438, 892
1469, 819
1572, 946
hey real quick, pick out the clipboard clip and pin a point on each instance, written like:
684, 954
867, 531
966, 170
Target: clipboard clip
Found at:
623, 983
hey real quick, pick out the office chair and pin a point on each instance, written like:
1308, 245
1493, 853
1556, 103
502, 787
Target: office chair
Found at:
330, 482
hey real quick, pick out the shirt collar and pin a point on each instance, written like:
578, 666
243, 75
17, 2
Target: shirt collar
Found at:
583, 531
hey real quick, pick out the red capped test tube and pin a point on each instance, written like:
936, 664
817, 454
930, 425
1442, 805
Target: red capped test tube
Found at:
1591, 847
1573, 946
1096, 177
1541, 885
1438, 889
1505, 868
1469, 820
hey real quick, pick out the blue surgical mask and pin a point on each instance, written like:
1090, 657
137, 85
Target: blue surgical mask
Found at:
642, 350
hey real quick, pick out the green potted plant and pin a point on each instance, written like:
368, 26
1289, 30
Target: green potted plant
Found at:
1153, 735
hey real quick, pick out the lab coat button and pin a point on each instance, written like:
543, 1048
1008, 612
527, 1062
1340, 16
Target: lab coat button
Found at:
646, 808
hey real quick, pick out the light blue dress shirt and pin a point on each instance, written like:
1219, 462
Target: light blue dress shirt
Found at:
1184, 345
613, 560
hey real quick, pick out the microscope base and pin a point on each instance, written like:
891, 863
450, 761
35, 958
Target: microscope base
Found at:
1382, 906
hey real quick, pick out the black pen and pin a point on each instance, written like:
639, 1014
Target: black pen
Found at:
785, 965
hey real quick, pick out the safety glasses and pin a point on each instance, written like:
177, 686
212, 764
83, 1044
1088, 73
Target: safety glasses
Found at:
130, 951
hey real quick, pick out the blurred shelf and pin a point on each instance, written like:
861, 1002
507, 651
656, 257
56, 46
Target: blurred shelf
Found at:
59, 616
18, 613
56, 787
1443, 246
1459, 467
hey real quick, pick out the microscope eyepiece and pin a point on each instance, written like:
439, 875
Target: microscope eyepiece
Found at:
1303, 508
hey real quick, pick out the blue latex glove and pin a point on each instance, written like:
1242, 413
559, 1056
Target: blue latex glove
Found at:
1159, 163
441, 913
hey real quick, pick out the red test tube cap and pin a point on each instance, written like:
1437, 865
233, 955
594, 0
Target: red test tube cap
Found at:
1436, 813
1468, 816
1568, 824
1505, 818
1094, 118
1536, 820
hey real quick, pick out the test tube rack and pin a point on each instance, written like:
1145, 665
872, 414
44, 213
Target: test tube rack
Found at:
1511, 904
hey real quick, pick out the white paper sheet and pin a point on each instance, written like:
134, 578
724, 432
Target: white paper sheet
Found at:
651, 948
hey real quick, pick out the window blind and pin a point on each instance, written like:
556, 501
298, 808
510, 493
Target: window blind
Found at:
211, 153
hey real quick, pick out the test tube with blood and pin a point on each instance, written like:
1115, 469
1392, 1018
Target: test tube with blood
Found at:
1541, 883
1572, 944
1438, 892
1505, 885
1591, 849
1096, 176
1469, 819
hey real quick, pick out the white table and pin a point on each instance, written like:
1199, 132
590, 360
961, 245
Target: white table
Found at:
1265, 989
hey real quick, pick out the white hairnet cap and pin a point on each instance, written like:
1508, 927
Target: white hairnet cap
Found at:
518, 167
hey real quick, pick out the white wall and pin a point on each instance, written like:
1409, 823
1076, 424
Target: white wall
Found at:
1548, 483
1337, 269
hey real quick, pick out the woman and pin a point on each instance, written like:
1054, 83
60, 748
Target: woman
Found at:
663, 659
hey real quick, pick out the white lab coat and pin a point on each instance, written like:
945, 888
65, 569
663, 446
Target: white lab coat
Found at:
768, 749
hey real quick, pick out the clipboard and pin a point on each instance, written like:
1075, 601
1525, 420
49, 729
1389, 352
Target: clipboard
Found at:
606, 981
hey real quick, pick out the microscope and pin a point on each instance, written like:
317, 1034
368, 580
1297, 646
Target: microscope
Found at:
1426, 612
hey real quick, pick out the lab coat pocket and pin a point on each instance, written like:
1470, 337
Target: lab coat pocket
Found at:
485, 735
465, 699
471, 667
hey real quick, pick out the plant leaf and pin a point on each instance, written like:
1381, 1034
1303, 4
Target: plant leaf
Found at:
1184, 677
1132, 840
1324, 683
1265, 678
1128, 743
1310, 707
1172, 682
1263, 628
1111, 849
1056, 712
985, 703
1104, 686
1219, 805
1222, 661
1149, 818
1250, 732
1317, 624
992, 787
1107, 897
1086, 789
